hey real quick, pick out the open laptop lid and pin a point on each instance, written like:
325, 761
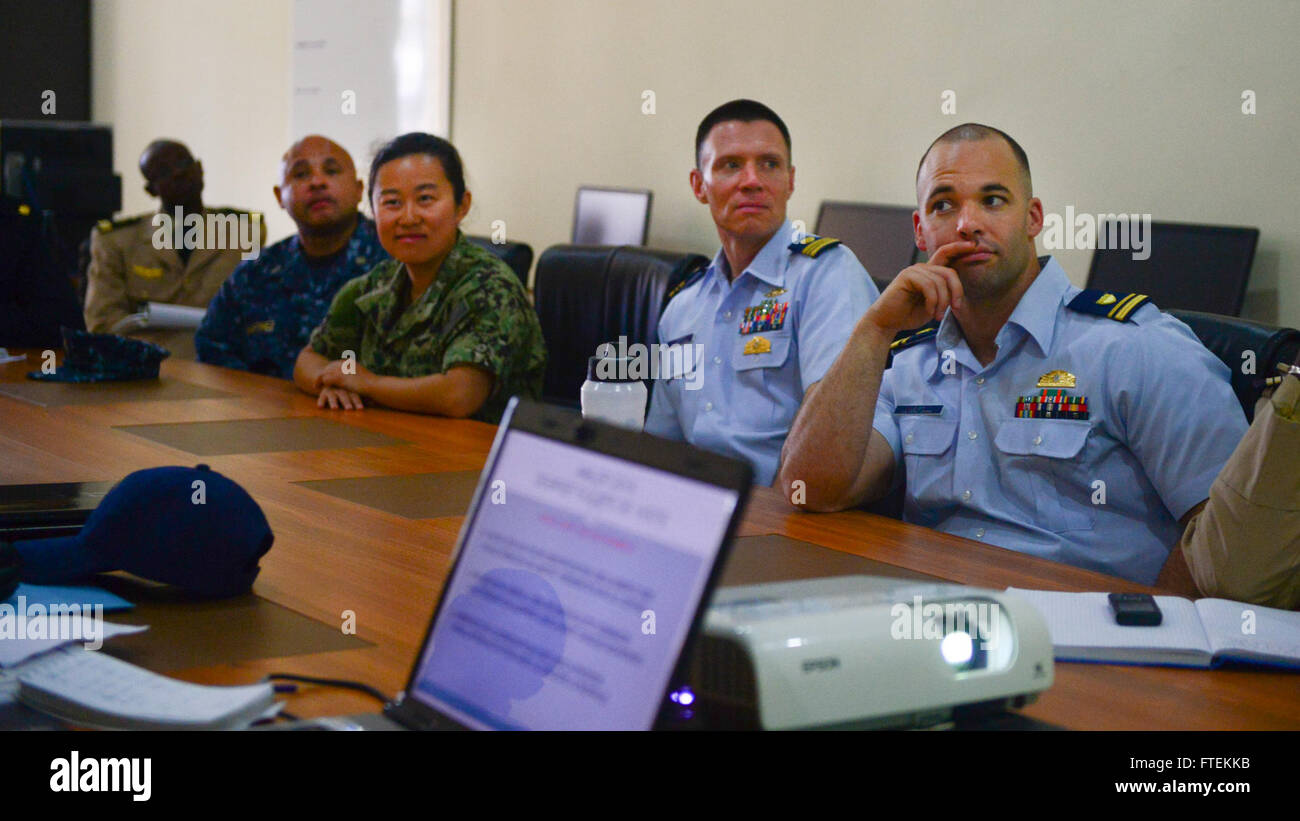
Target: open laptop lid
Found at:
580, 574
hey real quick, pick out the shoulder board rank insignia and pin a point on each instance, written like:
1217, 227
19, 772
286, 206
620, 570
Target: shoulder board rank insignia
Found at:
811, 246
1057, 379
907, 339
104, 226
675, 288
757, 344
1118, 307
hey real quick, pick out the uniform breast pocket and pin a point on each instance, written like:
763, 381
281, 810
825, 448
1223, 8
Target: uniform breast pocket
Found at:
765, 395
1043, 467
927, 442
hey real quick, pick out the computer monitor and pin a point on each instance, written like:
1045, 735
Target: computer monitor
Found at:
59, 166
611, 216
881, 236
1189, 267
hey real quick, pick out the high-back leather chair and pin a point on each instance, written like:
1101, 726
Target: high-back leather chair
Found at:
586, 295
1230, 338
517, 255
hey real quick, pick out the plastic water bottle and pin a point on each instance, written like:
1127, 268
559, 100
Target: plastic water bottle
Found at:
610, 395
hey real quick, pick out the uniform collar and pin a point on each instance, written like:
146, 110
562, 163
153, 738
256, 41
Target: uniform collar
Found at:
1038, 307
1034, 315
395, 320
768, 266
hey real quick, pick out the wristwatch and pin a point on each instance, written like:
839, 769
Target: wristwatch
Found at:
1286, 400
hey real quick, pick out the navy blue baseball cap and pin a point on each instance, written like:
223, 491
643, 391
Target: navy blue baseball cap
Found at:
104, 358
189, 527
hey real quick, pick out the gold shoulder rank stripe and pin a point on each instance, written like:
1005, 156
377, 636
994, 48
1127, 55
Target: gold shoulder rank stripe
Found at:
812, 249
1126, 306
898, 343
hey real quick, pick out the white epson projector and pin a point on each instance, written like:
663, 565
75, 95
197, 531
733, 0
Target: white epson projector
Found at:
861, 652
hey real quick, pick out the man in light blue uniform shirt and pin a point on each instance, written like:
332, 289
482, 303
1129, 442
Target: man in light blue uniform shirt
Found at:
1080, 426
766, 319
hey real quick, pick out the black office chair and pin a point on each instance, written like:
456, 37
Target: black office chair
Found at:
586, 295
1229, 337
881, 236
515, 254
1190, 268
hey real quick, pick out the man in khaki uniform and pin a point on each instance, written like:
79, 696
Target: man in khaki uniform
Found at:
1245, 545
134, 260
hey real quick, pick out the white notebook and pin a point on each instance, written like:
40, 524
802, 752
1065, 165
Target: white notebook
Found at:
89, 688
1203, 633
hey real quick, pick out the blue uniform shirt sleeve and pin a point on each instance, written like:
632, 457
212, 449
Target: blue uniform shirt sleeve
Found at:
884, 419
838, 294
1182, 445
217, 341
661, 418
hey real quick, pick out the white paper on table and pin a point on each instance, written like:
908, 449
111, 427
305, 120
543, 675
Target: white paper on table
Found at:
17, 650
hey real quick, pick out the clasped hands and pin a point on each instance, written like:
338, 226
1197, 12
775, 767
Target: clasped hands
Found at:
342, 384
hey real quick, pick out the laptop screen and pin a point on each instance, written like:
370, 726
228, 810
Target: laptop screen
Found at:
578, 579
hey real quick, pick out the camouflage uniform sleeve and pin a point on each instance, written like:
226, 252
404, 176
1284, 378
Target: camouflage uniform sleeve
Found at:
217, 341
501, 336
341, 328
106, 299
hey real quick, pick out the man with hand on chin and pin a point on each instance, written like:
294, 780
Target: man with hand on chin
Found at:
1084, 427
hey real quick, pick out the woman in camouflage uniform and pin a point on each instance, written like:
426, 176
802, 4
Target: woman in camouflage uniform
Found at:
444, 327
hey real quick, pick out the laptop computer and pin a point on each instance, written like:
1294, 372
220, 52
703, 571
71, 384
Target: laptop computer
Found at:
580, 576
48, 510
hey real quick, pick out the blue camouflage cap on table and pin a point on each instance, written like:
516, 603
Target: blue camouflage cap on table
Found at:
104, 358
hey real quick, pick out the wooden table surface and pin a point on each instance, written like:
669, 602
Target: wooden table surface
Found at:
332, 555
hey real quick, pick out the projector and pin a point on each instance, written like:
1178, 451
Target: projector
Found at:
863, 652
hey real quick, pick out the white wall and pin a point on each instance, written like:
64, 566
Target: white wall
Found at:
1121, 106
214, 75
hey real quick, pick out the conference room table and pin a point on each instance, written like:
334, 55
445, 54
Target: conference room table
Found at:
344, 565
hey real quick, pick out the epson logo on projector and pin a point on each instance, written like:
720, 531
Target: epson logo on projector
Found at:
77, 774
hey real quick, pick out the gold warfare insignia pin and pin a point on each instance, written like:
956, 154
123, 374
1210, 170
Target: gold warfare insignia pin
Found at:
266, 326
774, 292
147, 273
1057, 379
1106, 299
758, 344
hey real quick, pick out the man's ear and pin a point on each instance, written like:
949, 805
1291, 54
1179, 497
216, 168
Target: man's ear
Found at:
697, 186
276, 190
916, 230
1034, 219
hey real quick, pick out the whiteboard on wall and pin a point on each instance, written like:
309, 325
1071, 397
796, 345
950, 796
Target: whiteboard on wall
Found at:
365, 72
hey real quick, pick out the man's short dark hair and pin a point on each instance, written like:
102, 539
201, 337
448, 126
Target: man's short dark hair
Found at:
967, 132
746, 111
